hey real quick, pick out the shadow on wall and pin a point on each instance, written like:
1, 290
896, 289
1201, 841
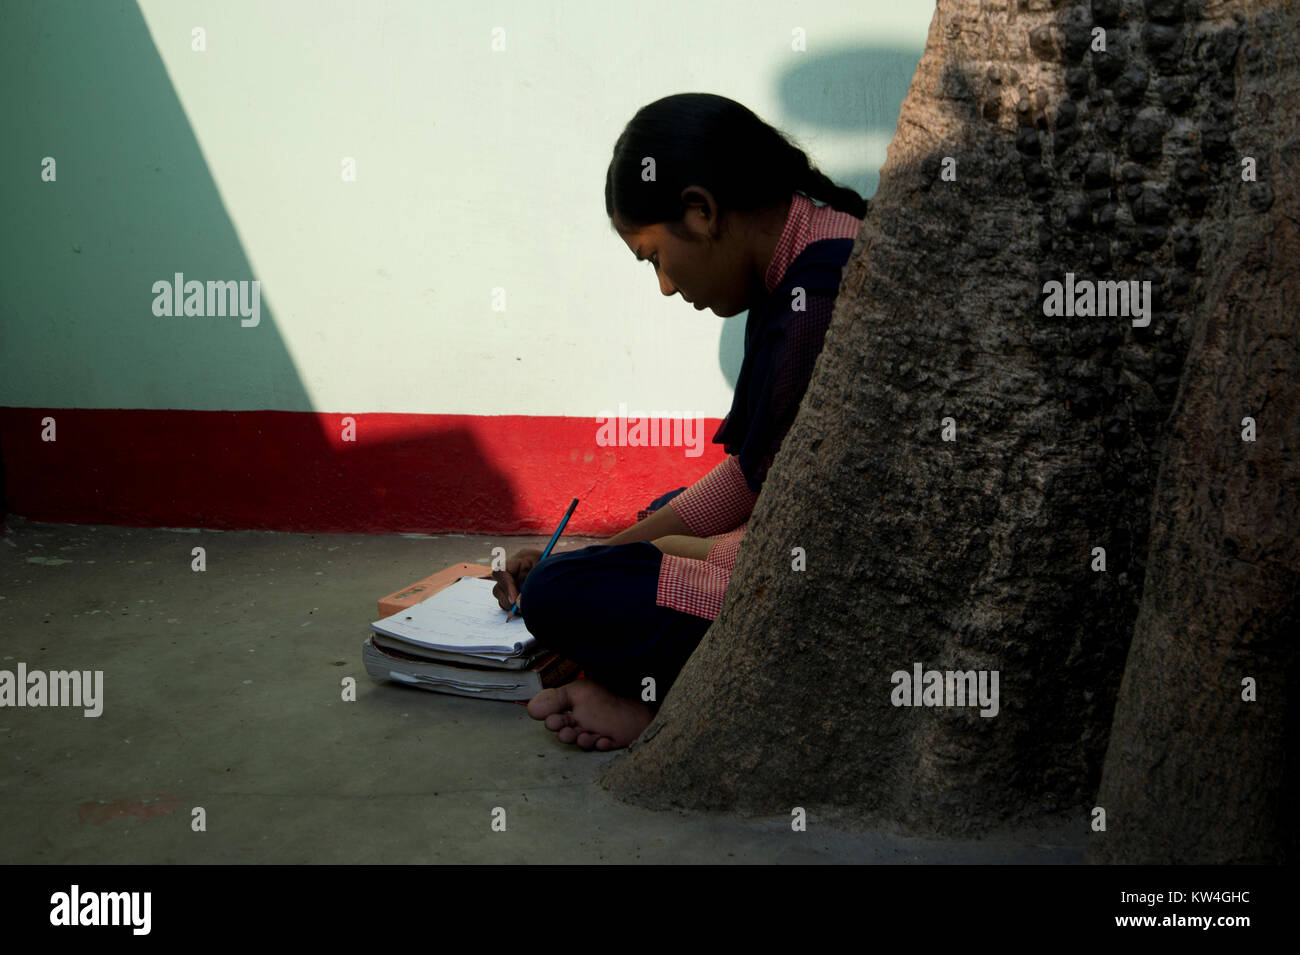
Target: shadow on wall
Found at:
869, 84
134, 203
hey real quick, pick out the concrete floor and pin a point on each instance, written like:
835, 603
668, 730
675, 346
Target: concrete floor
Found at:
222, 691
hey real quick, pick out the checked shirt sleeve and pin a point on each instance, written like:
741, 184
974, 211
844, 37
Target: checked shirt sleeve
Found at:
697, 587
718, 502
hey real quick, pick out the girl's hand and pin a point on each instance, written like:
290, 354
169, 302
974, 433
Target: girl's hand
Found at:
512, 578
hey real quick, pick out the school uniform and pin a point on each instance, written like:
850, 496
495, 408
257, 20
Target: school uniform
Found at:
628, 611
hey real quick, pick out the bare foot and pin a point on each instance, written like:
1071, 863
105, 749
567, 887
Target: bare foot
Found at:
586, 713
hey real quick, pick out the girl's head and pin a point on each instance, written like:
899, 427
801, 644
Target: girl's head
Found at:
701, 187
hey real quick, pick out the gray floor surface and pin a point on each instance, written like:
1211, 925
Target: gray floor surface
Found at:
222, 691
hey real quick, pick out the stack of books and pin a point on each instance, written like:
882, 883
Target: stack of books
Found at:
449, 635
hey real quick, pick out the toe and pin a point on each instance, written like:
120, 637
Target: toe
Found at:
553, 700
587, 740
567, 735
557, 721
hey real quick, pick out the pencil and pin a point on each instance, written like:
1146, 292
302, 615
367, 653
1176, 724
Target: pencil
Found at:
546, 553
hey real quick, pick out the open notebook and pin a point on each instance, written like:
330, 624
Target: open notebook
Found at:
463, 618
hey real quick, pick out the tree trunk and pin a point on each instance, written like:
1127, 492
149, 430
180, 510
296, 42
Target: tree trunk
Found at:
1197, 769
978, 553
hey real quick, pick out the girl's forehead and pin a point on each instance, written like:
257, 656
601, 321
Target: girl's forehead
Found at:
639, 234
623, 228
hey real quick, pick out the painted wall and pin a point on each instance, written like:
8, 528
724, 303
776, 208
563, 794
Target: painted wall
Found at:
462, 303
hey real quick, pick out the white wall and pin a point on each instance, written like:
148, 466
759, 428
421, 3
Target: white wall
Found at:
476, 169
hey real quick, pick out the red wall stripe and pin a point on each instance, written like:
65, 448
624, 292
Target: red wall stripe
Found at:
292, 471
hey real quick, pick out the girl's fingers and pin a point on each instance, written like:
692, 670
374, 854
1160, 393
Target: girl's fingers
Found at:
505, 588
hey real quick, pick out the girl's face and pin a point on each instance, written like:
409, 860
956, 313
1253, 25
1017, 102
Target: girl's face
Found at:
710, 268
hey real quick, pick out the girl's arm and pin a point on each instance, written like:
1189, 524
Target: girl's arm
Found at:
696, 548
664, 522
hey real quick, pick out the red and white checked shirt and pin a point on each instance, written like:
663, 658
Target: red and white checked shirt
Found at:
718, 505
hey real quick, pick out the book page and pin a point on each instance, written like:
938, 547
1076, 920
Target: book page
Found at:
463, 617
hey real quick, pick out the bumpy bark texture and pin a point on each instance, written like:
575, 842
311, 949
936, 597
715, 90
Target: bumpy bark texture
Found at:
1195, 772
976, 554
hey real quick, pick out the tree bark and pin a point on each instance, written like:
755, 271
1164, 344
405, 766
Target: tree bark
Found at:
1197, 769
978, 553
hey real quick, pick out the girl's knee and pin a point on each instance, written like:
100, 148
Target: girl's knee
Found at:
540, 596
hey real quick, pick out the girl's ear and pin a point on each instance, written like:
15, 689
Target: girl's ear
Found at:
701, 198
